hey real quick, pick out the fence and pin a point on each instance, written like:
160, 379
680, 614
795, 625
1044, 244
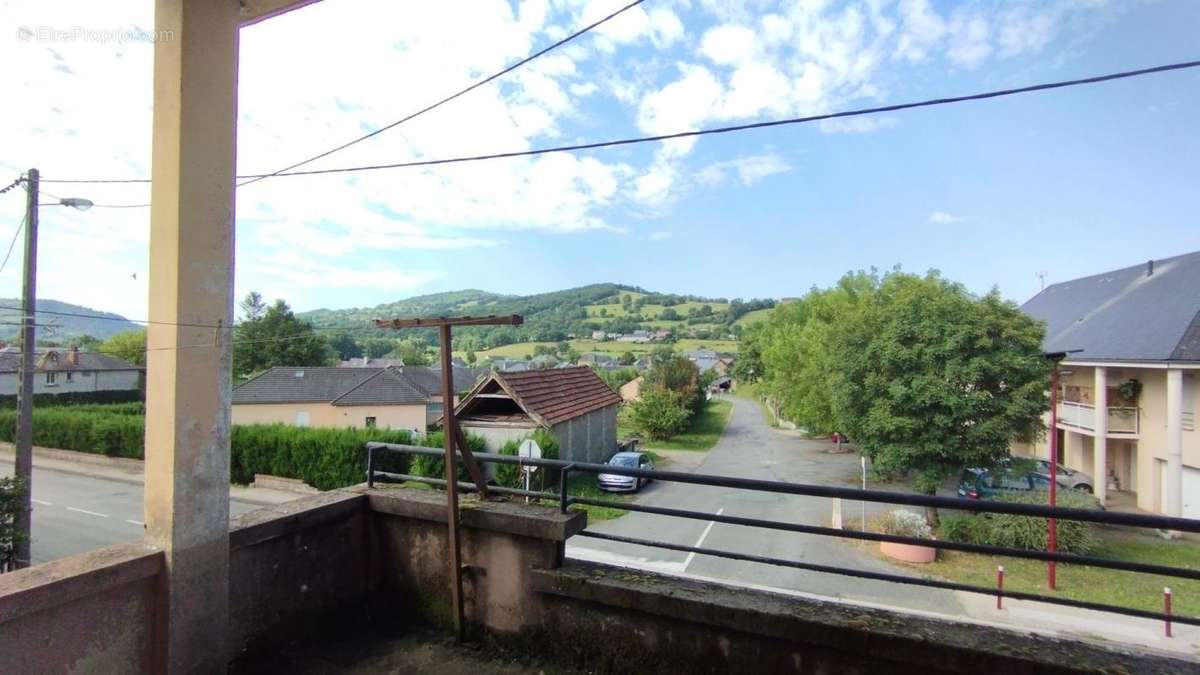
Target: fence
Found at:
565, 500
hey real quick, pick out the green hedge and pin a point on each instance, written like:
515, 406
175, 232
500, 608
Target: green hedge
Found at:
82, 430
323, 458
76, 398
1003, 529
10, 503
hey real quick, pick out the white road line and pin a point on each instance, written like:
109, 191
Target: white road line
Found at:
700, 542
136, 522
38, 501
90, 513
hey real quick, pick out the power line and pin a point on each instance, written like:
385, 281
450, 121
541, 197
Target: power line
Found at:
422, 111
11, 244
100, 206
115, 318
705, 132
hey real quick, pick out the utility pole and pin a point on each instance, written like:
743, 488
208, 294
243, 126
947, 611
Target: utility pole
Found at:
24, 436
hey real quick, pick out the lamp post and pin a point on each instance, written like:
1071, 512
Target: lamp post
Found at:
23, 462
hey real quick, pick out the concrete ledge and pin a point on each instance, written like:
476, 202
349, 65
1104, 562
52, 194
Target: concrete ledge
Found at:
280, 520
59, 582
525, 520
907, 642
266, 481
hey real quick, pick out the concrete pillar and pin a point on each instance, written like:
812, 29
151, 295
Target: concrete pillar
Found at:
1100, 427
1174, 496
191, 281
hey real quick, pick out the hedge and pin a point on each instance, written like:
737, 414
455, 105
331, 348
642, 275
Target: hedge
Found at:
82, 430
1027, 532
77, 398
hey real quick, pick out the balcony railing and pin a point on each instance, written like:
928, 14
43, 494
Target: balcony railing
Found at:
1121, 420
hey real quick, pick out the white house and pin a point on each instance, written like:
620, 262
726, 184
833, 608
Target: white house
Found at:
61, 371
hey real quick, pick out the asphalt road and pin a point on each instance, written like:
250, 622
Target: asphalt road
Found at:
74, 513
751, 449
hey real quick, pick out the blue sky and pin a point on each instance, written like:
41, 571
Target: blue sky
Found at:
1068, 183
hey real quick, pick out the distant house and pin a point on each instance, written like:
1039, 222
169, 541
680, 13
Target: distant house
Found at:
597, 359
61, 371
632, 390
662, 334
390, 397
637, 336
598, 335
723, 365
643, 363
511, 365
368, 362
705, 359
544, 361
574, 404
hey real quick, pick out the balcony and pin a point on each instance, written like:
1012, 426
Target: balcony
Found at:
1122, 420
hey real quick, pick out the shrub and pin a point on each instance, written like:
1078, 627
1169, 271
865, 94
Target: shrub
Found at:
435, 467
323, 458
659, 414
118, 435
74, 398
902, 523
10, 502
1027, 532
509, 475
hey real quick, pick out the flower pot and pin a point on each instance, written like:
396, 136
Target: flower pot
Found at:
909, 553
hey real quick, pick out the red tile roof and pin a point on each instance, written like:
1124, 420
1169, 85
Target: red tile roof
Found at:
556, 395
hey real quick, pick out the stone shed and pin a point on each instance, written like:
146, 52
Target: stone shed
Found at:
574, 404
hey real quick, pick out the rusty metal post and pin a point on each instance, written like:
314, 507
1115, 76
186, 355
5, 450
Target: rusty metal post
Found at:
1000, 587
449, 434
1052, 523
1167, 610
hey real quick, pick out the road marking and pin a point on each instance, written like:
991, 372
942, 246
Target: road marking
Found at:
38, 501
700, 542
136, 522
90, 513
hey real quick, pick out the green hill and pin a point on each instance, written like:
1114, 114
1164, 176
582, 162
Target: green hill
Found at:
61, 320
549, 317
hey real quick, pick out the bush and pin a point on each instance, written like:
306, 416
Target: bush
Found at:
659, 414
118, 435
323, 458
1026, 532
73, 398
509, 475
10, 502
435, 467
74, 428
902, 523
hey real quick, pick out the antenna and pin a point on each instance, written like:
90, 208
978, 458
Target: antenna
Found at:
1041, 277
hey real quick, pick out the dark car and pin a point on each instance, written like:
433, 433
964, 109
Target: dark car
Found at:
988, 484
618, 483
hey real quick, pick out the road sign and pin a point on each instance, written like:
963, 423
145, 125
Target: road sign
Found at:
529, 450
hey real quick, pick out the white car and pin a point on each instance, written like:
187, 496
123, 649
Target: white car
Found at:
618, 483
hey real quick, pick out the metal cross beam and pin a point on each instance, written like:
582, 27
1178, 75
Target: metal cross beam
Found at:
453, 436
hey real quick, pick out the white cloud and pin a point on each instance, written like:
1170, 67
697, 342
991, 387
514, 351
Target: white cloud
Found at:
944, 218
728, 44
969, 40
749, 170
921, 30
660, 236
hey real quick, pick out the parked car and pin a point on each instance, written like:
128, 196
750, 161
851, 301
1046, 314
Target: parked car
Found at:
988, 484
1069, 478
631, 460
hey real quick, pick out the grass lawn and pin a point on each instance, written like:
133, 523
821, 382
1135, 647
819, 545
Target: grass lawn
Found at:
1113, 587
521, 349
701, 435
755, 316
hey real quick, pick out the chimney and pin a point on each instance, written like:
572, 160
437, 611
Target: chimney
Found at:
73, 355
366, 360
1149, 268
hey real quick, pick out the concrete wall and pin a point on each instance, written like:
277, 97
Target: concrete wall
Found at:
326, 415
90, 380
90, 613
588, 438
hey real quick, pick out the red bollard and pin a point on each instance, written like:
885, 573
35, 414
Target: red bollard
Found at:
1000, 587
1167, 608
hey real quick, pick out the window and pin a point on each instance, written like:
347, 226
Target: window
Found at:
302, 419
51, 379
433, 407
70, 376
370, 422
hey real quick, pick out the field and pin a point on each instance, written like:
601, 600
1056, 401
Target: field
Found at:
522, 349
754, 317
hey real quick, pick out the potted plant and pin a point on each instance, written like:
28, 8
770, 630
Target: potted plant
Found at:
903, 523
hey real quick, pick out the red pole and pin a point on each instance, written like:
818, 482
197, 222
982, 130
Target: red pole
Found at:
1167, 608
1000, 587
1051, 523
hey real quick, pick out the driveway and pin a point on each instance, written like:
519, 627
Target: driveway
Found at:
751, 449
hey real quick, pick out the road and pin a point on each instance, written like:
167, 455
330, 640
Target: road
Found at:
751, 449
73, 513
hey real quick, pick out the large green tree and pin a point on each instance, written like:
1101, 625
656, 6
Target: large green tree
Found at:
794, 347
680, 375
273, 336
928, 378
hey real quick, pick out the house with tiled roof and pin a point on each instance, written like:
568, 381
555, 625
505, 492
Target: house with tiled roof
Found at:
62, 371
398, 397
1129, 381
573, 404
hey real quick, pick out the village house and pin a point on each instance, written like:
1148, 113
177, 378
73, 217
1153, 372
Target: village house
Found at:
597, 359
632, 390
705, 359
1127, 398
407, 397
573, 404
63, 371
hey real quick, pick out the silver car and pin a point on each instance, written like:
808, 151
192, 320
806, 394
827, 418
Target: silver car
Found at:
1068, 478
617, 483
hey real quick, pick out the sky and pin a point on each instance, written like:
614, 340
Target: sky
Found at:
992, 193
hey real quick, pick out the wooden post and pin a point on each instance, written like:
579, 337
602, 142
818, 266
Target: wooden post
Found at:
453, 435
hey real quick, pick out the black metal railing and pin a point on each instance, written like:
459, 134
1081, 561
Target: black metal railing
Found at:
564, 500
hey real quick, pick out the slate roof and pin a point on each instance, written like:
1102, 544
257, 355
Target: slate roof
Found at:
10, 361
339, 386
552, 396
429, 380
1125, 314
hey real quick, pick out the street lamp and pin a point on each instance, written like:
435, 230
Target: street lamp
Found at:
78, 203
